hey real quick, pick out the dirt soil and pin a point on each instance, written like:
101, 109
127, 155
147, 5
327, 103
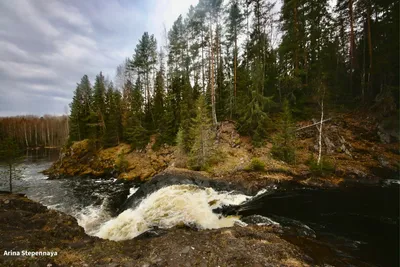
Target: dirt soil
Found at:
26, 225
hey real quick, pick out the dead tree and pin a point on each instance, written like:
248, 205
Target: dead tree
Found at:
320, 127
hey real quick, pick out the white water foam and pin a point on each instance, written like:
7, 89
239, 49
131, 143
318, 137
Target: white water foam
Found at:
391, 181
132, 191
92, 217
165, 208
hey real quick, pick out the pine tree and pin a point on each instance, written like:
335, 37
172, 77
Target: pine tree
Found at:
145, 60
234, 27
350, 50
292, 47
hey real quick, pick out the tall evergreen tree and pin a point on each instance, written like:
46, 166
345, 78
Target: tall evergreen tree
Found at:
99, 106
203, 134
158, 107
112, 117
81, 107
234, 27
135, 133
76, 123
284, 142
144, 61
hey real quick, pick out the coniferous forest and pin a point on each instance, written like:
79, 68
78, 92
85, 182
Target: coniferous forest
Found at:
250, 133
241, 61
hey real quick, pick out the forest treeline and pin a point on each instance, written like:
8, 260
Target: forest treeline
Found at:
33, 131
241, 60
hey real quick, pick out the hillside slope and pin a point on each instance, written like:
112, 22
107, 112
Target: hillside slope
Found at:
355, 146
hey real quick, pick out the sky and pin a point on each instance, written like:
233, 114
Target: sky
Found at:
46, 46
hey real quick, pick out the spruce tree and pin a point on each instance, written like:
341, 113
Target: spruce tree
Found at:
202, 150
284, 142
87, 106
158, 106
135, 133
111, 118
99, 107
76, 127
168, 129
186, 114
254, 105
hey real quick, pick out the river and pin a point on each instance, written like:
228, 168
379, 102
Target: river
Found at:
349, 226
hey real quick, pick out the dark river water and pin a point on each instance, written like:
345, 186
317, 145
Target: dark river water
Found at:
349, 226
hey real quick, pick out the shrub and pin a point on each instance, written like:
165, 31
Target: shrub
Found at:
324, 168
256, 165
121, 164
284, 141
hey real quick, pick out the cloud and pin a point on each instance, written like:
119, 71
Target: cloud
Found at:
47, 46
22, 70
68, 14
8, 50
26, 12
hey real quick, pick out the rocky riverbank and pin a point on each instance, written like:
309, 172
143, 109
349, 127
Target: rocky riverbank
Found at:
31, 227
356, 148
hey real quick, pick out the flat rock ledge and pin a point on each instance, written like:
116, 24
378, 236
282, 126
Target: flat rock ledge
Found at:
27, 225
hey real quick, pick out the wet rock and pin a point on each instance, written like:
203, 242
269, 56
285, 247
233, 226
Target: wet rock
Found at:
387, 136
384, 137
155, 232
383, 162
259, 220
175, 178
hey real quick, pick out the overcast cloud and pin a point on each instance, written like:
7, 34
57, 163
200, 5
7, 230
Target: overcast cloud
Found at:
46, 46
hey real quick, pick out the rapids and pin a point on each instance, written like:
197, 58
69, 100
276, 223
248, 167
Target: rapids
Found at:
174, 205
356, 224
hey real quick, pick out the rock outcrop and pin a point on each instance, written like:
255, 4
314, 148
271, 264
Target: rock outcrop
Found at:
82, 158
29, 226
351, 145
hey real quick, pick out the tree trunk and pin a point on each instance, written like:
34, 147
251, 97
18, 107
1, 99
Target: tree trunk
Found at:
67, 124
363, 76
351, 45
48, 133
296, 57
214, 114
369, 49
235, 66
10, 179
36, 136
202, 61
320, 130
26, 137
